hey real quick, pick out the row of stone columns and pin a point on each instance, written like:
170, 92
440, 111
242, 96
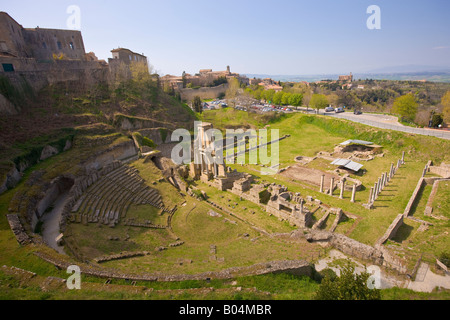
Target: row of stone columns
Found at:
342, 183
384, 180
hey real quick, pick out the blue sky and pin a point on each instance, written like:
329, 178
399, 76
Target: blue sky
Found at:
263, 37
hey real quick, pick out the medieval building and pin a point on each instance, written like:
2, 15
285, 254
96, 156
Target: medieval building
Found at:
49, 56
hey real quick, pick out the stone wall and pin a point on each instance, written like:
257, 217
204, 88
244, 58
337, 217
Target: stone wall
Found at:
13, 176
77, 74
429, 206
413, 197
120, 152
134, 124
342, 243
155, 134
392, 230
443, 170
204, 92
18, 230
297, 267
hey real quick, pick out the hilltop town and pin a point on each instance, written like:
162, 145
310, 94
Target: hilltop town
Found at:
214, 185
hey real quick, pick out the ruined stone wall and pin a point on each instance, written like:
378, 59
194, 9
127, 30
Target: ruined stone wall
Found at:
120, 152
442, 170
342, 243
297, 267
392, 230
413, 197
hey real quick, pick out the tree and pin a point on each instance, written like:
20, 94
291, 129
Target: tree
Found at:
406, 106
318, 101
197, 104
296, 100
233, 88
268, 95
286, 98
277, 97
436, 120
348, 286
445, 101
184, 79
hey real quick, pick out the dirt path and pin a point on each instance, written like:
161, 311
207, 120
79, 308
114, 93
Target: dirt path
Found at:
50, 227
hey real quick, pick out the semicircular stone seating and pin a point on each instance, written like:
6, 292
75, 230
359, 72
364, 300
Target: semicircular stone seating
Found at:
108, 200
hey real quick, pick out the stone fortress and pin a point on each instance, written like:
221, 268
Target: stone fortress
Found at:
49, 56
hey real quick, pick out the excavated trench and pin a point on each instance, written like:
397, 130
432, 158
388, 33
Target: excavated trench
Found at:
49, 211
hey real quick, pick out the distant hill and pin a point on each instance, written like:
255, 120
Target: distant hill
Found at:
406, 72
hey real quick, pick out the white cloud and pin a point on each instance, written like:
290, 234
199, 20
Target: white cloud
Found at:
441, 47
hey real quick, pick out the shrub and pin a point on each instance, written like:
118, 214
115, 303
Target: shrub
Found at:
349, 286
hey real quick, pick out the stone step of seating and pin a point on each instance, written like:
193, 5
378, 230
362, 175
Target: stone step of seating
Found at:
85, 203
94, 205
130, 185
154, 198
110, 205
141, 192
146, 197
124, 180
118, 202
109, 192
134, 184
116, 173
77, 205
109, 198
123, 209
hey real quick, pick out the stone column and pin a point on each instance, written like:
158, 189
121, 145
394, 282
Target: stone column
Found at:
341, 195
353, 193
392, 170
301, 206
379, 186
331, 186
403, 157
371, 195
322, 180
375, 191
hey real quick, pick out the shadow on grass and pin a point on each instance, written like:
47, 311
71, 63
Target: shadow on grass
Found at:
403, 233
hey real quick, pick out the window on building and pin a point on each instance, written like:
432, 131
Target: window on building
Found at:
44, 45
71, 46
8, 67
59, 44
131, 59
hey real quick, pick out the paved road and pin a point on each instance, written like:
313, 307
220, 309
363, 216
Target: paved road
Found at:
386, 122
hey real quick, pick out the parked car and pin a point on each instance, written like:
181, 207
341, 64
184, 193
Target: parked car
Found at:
357, 112
329, 109
339, 110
